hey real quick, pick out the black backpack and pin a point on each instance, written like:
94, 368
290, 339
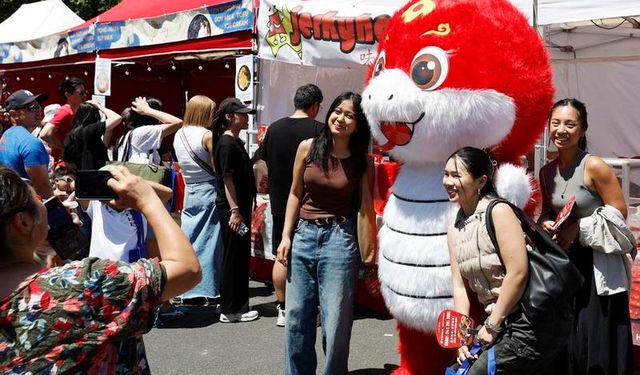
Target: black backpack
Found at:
553, 279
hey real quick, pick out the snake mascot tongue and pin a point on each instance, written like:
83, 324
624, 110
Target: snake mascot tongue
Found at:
448, 74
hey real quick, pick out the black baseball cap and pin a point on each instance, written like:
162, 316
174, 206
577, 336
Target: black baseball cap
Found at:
23, 98
234, 105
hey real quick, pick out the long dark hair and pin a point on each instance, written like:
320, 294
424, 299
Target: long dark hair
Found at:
478, 163
358, 142
15, 196
582, 114
85, 114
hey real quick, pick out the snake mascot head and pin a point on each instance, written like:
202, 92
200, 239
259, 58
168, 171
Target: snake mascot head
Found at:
449, 73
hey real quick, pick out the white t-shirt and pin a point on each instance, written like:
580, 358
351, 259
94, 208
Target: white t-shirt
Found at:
145, 140
113, 233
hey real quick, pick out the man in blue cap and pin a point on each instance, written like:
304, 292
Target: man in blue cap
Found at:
19, 149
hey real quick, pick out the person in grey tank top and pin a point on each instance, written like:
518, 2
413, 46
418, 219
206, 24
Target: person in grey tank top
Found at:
600, 341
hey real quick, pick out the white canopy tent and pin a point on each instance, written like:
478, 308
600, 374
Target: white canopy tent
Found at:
37, 20
594, 46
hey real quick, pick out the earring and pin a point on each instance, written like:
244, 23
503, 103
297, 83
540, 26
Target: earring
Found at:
478, 191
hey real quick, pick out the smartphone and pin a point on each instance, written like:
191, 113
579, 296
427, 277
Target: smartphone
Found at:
64, 236
92, 185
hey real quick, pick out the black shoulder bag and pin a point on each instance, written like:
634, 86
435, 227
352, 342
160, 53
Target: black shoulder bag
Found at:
553, 279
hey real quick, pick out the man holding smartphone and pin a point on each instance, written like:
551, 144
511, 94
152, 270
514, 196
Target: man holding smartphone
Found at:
19, 149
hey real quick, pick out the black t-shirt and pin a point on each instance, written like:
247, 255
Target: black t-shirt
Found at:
280, 146
232, 160
84, 147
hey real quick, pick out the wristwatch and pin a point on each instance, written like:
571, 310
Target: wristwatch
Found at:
492, 328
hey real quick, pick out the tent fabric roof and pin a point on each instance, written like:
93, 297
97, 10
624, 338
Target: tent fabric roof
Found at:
37, 20
561, 11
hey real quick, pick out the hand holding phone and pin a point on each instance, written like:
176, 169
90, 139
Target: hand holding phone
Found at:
64, 235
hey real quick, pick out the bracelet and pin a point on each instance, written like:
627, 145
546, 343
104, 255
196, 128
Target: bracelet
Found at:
236, 208
492, 327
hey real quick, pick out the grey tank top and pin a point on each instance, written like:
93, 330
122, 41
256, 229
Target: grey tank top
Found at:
559, 185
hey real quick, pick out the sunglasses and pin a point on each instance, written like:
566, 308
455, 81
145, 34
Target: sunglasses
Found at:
82, 92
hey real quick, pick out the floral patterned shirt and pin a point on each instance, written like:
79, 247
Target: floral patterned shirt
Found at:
84, 317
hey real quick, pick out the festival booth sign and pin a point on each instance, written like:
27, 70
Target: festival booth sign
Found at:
157, 48
119, 28
31, 30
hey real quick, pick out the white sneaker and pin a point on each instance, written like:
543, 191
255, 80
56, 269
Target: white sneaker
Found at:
239, 317
282, 316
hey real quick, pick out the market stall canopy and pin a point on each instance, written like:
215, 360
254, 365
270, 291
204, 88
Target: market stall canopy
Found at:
37, 20
136, 28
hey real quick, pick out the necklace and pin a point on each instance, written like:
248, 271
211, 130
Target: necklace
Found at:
565, 189
566, 183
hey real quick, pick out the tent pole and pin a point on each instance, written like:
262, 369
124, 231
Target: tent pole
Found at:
540, 149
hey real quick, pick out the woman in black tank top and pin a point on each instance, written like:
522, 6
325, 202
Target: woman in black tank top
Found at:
600, 341
323, 257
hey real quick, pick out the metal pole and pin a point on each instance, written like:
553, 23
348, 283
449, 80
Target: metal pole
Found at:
540, 149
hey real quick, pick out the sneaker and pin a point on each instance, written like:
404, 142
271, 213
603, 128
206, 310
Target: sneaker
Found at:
239, 317
282, 316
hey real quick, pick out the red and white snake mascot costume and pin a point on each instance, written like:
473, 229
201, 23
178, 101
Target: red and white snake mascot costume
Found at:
448, 74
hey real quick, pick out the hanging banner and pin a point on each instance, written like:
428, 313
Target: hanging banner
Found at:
72, 42
323, 33
338, 33
102, 78
192, 24
233, 16
244, 78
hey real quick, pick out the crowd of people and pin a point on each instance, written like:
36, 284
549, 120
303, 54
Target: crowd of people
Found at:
141, 266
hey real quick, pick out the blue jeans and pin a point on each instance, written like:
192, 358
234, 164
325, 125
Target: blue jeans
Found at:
323, 270
201, 223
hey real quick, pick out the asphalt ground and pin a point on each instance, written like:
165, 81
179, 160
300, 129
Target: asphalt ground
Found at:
200, 344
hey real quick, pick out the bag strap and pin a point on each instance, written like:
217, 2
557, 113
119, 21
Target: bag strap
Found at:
529, 227
140, 245
127, 145
206, 167
476, 349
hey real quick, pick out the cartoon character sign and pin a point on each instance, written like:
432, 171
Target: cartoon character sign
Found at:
450, 73
280, 30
